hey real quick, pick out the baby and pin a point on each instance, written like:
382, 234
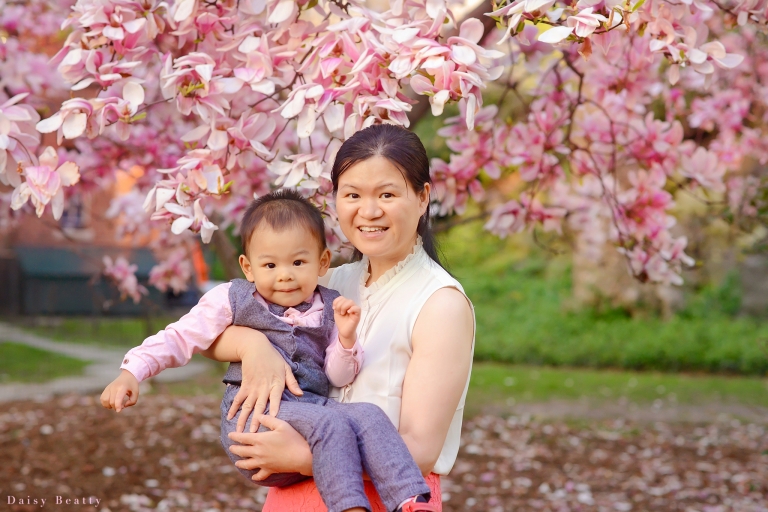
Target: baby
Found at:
313, 328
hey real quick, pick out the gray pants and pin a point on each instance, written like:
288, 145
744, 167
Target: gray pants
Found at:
345, 439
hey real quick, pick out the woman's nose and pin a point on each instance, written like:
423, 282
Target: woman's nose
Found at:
370, 209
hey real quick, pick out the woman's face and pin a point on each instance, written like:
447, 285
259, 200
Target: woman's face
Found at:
379, 210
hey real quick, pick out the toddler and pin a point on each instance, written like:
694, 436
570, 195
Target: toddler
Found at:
313, 328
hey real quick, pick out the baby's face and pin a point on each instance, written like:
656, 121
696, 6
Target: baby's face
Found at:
284, 265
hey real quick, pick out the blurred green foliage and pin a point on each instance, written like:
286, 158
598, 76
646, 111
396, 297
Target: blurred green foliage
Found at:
522, 305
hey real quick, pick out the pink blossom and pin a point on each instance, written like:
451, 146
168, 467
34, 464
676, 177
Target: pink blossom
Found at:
44, 184
123, 275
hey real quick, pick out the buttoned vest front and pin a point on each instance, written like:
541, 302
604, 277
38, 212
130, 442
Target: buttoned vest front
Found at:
303, 348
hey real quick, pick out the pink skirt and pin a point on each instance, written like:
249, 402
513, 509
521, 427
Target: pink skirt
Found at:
305, 497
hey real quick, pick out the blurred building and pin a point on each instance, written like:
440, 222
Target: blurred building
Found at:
55, 268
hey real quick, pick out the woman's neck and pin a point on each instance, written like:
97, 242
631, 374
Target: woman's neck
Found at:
377, 267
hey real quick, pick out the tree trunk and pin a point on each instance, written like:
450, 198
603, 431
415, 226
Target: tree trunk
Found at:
225, 250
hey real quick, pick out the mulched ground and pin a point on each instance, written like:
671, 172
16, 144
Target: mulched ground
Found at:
165, 454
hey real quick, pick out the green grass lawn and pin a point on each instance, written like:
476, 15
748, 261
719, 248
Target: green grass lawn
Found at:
106, 331
20, 363
520, 299
496, 382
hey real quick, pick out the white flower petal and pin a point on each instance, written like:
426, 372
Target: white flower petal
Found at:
57, 204
162, 196
134, 94
51, 124
730, 61
196, 134
282, 11
69, 173
555, 34
218, 140
74, 125
180, 225
403, 35
183, 9
306, 123
471, 30
334, 117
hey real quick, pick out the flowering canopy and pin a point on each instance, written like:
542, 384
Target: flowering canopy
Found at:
616, 106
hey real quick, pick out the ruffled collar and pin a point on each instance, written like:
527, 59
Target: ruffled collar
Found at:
369, 290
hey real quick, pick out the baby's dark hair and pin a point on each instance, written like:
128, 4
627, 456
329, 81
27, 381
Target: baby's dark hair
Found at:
281, 209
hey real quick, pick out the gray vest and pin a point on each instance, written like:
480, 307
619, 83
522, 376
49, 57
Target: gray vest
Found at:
302, 347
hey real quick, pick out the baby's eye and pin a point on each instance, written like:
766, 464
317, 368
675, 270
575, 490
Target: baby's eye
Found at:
297, 263
270, 265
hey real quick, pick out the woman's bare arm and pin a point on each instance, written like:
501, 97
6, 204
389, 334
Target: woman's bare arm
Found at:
436, 375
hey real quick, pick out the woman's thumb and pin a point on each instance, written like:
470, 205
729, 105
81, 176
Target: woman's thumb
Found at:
270, 422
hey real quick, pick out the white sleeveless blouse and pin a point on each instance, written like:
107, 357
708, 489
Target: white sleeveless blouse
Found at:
390, 307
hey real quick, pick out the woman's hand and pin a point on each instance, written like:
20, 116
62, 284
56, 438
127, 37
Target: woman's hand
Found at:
281, 450
265, 372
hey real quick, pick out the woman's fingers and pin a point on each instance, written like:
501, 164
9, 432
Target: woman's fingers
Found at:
275, 394
271, 422
261, 475
239, 399
291, 383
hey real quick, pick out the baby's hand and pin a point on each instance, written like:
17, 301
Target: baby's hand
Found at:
347, 316
121, 393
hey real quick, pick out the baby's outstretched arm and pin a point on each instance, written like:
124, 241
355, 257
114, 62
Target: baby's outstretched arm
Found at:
121, 393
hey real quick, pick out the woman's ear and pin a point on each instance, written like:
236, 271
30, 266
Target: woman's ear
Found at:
245, 265
325, 262
424, 197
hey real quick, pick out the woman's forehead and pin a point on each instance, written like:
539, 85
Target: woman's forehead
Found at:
375, 172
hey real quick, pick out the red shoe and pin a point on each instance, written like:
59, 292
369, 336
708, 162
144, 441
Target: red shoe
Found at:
418, 504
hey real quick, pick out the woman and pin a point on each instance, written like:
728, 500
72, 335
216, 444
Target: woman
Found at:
416, 327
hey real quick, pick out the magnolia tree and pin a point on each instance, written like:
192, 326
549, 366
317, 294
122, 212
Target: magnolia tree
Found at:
603, 110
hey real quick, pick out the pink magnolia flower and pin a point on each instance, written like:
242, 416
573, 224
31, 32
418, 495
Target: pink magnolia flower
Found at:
174, 272
70, 121
192, 218
44, 184
123, 275
301, 169
585, 22
704, 168
17, 136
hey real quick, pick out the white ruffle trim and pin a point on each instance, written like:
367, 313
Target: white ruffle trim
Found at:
367, 291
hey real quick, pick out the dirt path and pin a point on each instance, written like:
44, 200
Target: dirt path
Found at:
104, 368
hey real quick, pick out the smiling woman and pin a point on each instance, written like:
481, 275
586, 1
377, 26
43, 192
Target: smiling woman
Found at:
416, 324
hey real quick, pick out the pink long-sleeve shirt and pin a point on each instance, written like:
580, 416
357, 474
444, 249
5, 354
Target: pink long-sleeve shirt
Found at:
196, 331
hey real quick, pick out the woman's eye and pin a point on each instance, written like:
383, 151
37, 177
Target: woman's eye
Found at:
387, 195
297, 263
353, 196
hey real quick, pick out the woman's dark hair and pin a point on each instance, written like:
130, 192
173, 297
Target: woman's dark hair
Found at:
282, 209
404, 149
